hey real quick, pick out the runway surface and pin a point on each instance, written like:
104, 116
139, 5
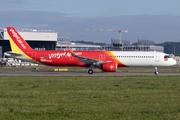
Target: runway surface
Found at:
30, 73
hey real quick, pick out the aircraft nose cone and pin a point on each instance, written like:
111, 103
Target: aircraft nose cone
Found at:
175, 62
172, 62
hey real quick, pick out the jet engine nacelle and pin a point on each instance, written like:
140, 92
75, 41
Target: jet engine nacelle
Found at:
108, 67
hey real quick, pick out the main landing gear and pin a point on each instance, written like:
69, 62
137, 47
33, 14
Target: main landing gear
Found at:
156, 71
90, 71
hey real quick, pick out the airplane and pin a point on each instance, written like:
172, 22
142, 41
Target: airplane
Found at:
108, 61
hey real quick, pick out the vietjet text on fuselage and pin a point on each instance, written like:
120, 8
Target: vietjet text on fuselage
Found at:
108, 61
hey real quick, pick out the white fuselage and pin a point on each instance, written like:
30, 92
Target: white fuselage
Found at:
142, 59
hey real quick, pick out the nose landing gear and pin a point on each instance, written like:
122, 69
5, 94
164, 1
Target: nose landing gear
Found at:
156, 71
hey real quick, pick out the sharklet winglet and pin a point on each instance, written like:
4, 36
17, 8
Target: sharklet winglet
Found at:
73, 54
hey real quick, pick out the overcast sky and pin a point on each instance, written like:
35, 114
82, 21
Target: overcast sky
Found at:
157, 20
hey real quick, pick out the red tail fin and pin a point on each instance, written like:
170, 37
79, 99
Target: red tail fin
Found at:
18, 44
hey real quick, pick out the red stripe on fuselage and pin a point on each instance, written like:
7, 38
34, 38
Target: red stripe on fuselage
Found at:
64, 58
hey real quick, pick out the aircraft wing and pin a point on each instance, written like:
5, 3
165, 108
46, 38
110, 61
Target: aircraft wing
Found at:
84, 59
88, 60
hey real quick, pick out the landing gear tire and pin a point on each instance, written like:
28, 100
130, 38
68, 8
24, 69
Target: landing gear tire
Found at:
156, 73
90, 71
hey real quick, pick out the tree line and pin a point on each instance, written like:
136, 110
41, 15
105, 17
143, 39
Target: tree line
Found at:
171, 47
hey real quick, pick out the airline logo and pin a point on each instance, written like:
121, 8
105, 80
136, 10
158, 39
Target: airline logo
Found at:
15, 35
59, 55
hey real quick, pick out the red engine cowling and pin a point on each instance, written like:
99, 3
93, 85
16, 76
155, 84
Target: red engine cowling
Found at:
109, 67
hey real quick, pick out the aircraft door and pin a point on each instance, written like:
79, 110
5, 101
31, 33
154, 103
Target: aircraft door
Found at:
33, 55
102, 57
157, 57
71, 58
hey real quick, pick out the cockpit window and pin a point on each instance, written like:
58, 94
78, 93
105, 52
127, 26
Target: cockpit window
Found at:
166, 56
172, 56
169, 56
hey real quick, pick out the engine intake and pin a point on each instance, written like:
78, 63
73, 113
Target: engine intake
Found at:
108, 67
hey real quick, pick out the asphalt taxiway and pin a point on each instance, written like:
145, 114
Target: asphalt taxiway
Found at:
31, 73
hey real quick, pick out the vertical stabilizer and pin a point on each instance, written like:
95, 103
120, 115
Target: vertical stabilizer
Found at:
18, 44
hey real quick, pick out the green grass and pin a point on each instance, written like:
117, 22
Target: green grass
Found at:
90, 98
